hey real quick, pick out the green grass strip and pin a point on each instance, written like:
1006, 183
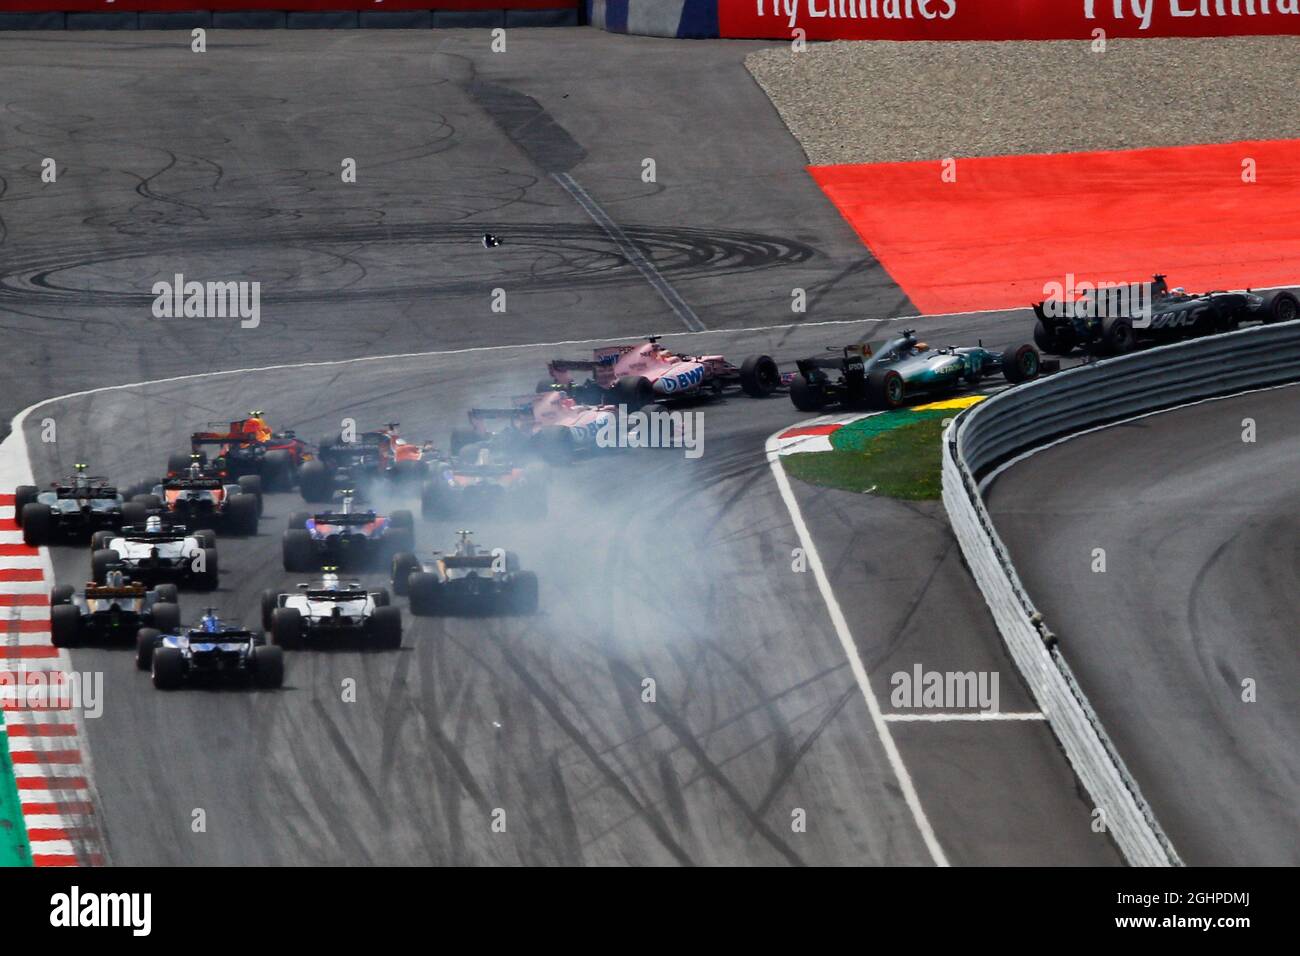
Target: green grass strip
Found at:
14, 848
898, 461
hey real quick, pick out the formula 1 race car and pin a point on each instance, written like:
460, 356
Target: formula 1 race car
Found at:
885, 377
331, 612
1104, 323
110, 612
155, 553
199, 499
469, 580
551, 425
347, 538
480, 481
372, 456
74, 508
214, 650
636, 375
246, 448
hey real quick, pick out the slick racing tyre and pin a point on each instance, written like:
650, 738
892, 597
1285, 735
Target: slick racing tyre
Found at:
523, 593
759, 376
1020, 363
634, 391
268, 666
65, 625
168, 668
241, 515
1281, 307
807, 396
62, 595
1117, 337
404, 565
426, 593
270, 601
315, 482
885, 388
24, 495
386, 627
286, 628
146, 639
277, 466
37, 523
1059, 340
252, 485
299, 551
167, 617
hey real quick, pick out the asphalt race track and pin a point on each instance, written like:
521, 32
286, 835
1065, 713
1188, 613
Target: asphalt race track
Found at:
1199, 595
652, 566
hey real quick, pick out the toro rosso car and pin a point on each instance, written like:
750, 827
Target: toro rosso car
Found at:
246, 448
637, 375
214, 650
330, 611
355, 464
156, 553
480, 481
886, 377
1104, 323
470, 580
199, 499
74, 508
550, 424
349, 537
110, 612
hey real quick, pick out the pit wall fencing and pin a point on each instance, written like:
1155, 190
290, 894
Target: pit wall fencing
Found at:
284, 14
1021, 419
945, 19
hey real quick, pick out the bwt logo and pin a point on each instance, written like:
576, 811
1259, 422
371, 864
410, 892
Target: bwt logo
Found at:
1101, 300
93, 910
208, 300
681, 380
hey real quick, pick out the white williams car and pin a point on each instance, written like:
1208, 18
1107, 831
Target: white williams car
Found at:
331, 611
156, 554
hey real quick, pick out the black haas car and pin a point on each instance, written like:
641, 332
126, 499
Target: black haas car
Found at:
470, 580
74, 508
1102, 323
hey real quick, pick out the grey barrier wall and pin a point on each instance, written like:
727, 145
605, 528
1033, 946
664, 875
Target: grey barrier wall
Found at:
993, 432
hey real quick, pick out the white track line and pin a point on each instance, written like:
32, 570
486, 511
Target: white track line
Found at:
851, 652
962, 715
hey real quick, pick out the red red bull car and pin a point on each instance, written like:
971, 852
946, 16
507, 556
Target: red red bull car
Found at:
247, 446
637, 375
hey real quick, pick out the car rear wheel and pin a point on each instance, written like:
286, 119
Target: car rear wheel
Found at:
179, 463
315, 482
167, 617
241, 514
268, 666
65, 625
168, 668
523, 593
1281, 307
403, 566
134, 514
208, 577
555, 444
299, 519
38, 524
759, 376
146, 639
386, 625
61, 595
166, 594
634, 391
270, 601
425, 590
277, 467
807, 396
1020, 363
885, 388
100, 562
1117, 336
252, 485
299, 552
23, 496
1059, 340
286, 628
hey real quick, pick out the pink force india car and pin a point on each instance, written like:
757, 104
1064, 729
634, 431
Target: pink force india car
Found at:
637, 375
550, 424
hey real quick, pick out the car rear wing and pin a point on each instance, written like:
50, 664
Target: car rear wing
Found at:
483, 418
101, 593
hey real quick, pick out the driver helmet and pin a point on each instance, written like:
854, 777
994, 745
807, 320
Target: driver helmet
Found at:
115, 579
1178, 290
195, 470
330, 579
921, 346
153, 524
